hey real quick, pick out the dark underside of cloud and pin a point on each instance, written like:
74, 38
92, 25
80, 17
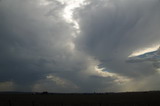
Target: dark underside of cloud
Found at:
112, 30
38, 52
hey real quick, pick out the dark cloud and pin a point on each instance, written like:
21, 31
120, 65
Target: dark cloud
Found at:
38, 52
112, 30
30, 42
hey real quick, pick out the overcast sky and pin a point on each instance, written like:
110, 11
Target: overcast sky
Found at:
78, 45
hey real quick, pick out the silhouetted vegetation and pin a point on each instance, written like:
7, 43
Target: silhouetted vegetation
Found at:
151, 98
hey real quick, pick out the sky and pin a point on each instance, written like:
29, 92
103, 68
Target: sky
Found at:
78, 45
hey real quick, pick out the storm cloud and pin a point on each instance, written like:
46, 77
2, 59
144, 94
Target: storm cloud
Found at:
33, 41
112, 30
40, 53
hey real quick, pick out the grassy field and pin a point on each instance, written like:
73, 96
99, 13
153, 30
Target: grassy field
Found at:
95, 99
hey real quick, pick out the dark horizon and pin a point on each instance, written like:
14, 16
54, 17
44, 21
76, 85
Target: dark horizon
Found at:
86, 99
46, 92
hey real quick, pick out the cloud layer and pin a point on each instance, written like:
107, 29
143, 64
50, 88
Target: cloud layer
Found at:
39, 51
112, 30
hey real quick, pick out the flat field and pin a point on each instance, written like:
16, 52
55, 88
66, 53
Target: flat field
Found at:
85, 99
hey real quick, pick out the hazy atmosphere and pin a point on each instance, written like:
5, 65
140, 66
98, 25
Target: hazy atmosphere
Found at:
78, 45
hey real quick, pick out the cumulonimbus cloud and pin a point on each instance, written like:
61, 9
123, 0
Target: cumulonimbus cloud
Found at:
38, 51
112, 30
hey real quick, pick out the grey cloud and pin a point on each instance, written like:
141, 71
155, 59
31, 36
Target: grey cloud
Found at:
36, 52
31, 43
34, 43
112, 30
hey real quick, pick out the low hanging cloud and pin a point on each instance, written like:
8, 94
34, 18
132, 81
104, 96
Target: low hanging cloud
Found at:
112, 30
39, 51
33, 41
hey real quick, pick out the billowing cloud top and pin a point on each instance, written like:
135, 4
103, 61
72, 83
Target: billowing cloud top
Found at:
81, 46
